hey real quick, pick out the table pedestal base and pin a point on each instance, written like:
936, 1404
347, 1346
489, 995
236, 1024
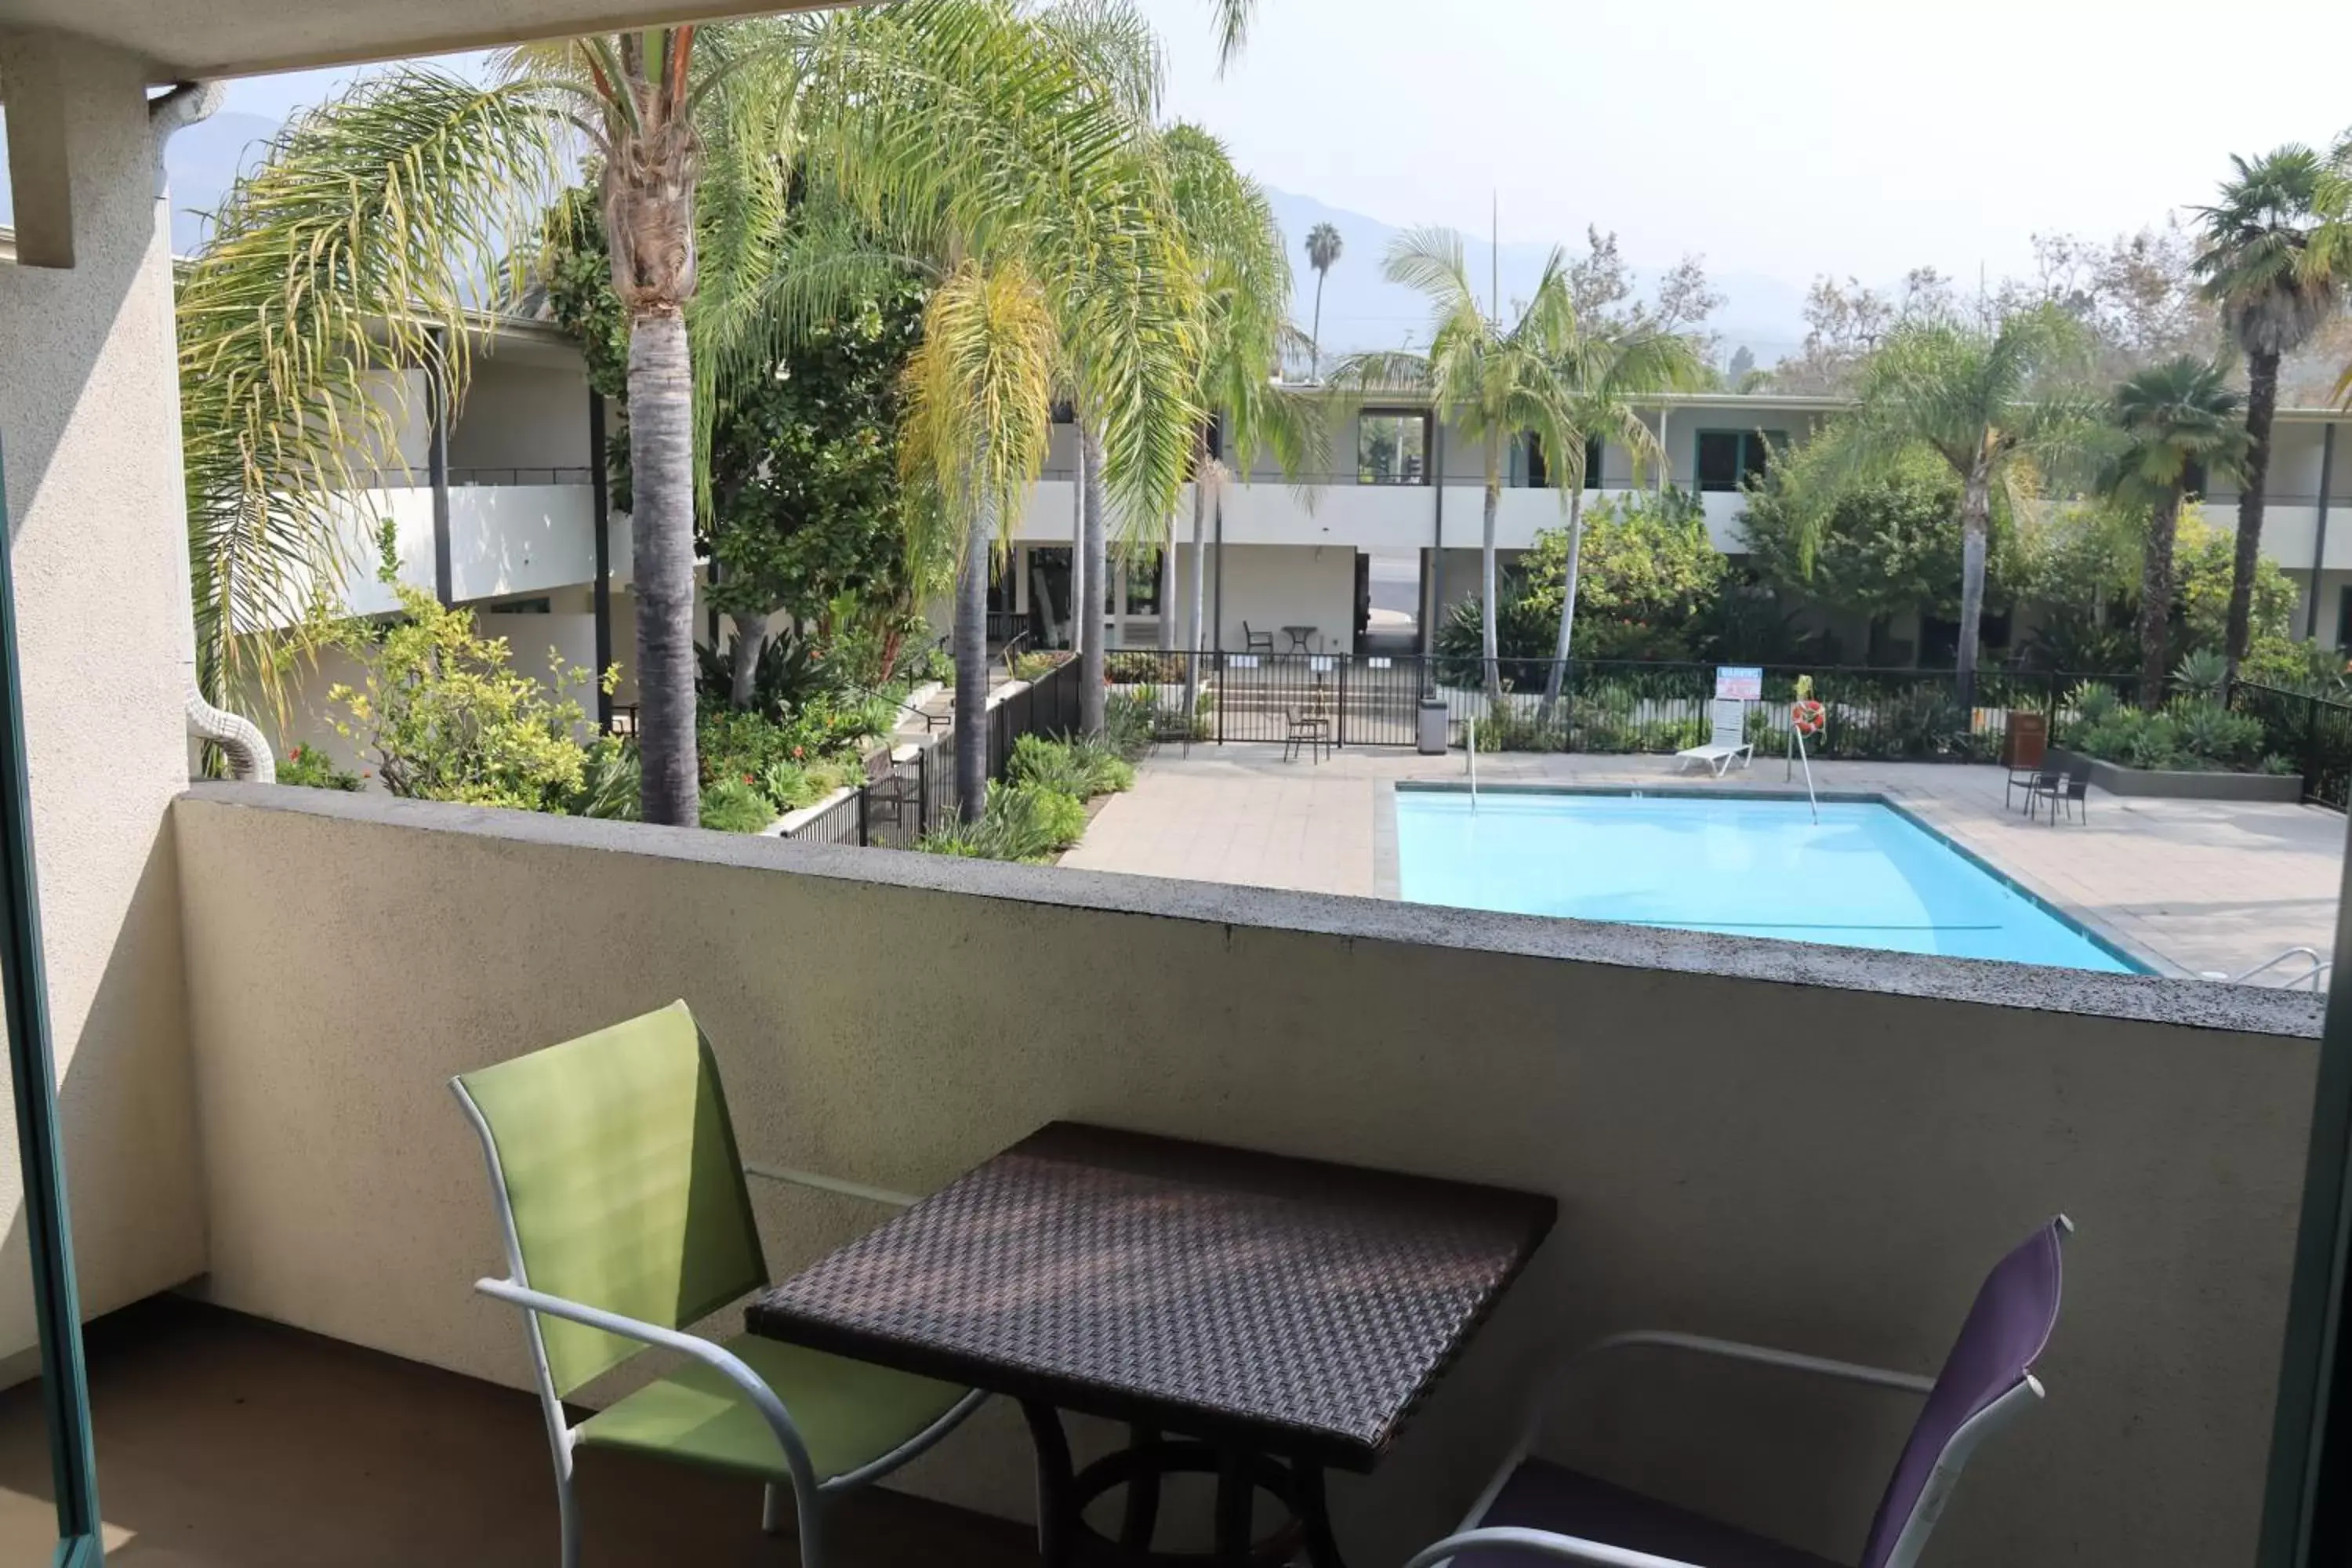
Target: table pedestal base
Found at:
1064, 1538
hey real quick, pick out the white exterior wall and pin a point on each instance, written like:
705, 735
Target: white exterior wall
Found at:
90, 425
522, 415
1272, 587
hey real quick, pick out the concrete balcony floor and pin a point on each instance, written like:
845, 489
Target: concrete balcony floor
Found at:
225, 1441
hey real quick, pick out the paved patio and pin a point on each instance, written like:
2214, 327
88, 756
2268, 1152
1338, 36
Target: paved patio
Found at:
2195, 887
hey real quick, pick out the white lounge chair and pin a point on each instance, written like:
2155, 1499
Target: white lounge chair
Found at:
1730, 740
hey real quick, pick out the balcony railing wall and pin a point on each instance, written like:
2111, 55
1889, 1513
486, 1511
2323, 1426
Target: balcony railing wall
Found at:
1795, 1144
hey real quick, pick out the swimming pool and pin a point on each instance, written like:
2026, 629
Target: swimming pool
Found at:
1866, 876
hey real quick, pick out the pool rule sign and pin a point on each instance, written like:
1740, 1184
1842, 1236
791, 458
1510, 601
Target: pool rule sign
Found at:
1743, 683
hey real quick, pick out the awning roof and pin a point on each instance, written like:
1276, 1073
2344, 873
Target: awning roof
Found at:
189, 38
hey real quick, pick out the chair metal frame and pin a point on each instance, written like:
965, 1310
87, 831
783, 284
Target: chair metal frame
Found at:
1256, 642
1309, 727
809, 1490
1925, 1511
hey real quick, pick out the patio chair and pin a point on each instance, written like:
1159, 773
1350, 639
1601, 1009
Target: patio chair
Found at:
888, 792
1536, 1513
626, 1216
1728, 742
2070, 790
1308, 727
1256, 642
2030, 779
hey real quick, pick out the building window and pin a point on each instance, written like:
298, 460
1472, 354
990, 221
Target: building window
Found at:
1142, 585
1594, 451
1729, 458
2344, 619
1392, 448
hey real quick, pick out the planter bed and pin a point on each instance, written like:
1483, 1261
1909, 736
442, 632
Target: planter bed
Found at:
2117, 779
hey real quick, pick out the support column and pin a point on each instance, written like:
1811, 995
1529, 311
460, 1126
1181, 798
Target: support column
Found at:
600, 490
436, 468
2319, 530
97, 518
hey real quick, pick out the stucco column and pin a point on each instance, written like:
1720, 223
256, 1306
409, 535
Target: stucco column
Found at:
90, 437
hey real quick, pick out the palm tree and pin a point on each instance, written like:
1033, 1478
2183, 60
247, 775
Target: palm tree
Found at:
1235, 247
2180, 419
940, 129
1012, 161
1606, 369
345, 258
2274, 289
384, 206
980, 410
1991, 402
1491, 382
1323, 248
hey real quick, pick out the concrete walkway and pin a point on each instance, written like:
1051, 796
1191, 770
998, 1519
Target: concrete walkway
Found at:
2194, 887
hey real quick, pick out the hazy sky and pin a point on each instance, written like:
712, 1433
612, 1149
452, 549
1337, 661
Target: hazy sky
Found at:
1787, 138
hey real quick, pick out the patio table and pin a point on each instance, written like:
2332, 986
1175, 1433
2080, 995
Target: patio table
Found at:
1251, 1316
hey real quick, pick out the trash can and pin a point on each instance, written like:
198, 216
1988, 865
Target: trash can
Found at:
2027, 738
1435, 723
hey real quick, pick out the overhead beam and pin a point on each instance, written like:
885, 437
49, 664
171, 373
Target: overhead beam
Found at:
184, 39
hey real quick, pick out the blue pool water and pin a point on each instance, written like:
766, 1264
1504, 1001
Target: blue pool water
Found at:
1867, 876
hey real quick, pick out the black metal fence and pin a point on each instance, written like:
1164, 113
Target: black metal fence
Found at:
2312, 732
1599, 706
913, 792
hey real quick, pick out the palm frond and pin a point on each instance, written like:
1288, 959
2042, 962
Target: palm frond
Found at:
351, 254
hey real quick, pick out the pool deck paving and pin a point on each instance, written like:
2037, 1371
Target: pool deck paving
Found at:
2198, 888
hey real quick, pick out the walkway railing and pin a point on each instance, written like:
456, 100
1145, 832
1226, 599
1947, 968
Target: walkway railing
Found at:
2312, 732
916, 794
1601, 705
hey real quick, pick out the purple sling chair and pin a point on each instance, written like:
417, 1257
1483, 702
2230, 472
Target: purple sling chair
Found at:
1535, 1513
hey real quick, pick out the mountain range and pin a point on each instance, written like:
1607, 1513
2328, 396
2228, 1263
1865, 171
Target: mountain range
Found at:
1362, 310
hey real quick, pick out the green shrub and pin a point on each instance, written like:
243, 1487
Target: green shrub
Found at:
1107, 770
313, 769
1144, 667
2275, 765
731, 805
1131, 723
2203, 675
448, 718
2212, 732
1021, 822
1036, 665
2092, 701
612, 782
1080, 769
2153, 742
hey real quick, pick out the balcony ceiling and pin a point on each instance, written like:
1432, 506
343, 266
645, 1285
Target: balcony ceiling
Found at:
185, 38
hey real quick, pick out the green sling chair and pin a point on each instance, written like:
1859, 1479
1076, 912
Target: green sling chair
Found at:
627, 1217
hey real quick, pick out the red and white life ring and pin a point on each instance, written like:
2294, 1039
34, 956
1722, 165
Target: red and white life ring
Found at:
1808, 716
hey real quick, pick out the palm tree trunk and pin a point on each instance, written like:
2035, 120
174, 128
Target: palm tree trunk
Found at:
1199, 575
2261, 408
2155, 598
1555, 677
1316, 374
1976, 518
1075, 634
1490, 612
1097, 553
972, 670
743, 675
1168, 590
661, 458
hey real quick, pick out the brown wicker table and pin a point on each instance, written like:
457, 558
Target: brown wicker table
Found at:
1249, 1316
